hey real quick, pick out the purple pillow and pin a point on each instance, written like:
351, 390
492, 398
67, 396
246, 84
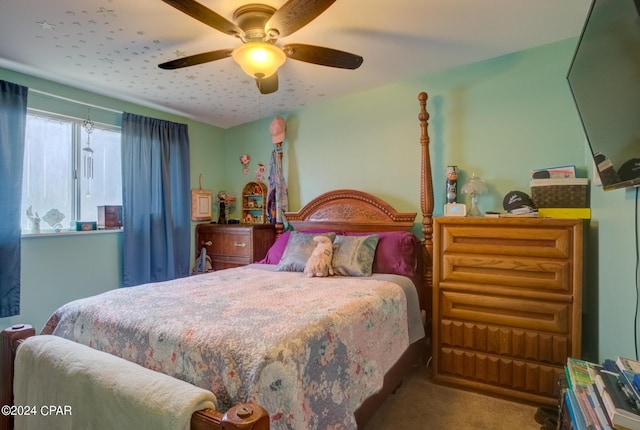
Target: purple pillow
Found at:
274, 254
396, 252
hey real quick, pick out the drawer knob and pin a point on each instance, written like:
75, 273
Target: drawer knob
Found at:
207, 243
240, 244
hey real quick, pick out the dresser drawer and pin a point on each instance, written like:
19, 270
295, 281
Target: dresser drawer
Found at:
535, 382
551, 275
549, 242
517, 313
530, 345
237, 244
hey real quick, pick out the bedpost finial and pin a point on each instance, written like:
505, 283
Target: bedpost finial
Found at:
423, 116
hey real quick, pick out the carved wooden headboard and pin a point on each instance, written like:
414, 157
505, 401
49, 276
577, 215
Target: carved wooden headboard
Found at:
358, 211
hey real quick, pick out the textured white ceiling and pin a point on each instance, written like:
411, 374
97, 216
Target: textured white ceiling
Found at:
113, 47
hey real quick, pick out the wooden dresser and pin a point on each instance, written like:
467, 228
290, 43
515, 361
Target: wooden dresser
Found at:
233, 245
507, 304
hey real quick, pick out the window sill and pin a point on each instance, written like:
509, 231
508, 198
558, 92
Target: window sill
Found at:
67, 232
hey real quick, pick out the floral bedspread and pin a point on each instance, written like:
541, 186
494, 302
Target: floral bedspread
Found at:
309, 350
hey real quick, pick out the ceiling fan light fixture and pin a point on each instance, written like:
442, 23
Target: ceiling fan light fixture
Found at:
259, 59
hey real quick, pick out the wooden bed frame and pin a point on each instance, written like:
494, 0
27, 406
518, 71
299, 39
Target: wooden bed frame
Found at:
340, 210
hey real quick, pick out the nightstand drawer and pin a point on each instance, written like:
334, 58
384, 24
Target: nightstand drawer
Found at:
232, 244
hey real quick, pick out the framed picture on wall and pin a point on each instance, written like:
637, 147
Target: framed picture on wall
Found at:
201, 201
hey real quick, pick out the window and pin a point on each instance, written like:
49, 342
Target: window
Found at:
58, 175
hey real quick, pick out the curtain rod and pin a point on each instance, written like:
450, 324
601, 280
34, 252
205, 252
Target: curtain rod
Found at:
74, 101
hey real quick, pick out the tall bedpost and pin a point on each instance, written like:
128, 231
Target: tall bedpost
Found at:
426, 198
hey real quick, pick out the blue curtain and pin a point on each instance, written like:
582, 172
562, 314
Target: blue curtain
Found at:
13, 121
156, 200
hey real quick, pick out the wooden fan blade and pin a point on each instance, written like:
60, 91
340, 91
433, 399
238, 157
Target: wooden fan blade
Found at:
322, 56
295, 14
206, 16
194, 60
268, 85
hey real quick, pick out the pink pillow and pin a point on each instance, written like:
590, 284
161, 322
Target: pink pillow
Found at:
396, 252
274, 254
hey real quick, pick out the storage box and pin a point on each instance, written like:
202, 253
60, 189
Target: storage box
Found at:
83, 225
109, 217
560, 193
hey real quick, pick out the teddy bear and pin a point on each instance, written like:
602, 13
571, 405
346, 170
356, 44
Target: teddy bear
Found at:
319, 264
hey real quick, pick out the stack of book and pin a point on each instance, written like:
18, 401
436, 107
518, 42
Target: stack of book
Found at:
603, 396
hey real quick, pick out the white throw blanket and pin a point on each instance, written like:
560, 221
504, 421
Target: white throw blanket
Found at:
66, 385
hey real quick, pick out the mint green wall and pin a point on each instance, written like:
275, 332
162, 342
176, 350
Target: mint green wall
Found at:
611, 268
498, 118
58, 269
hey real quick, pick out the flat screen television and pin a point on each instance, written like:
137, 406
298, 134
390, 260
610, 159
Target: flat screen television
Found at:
604, 78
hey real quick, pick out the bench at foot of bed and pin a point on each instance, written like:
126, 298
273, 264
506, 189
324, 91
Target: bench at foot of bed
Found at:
246, 416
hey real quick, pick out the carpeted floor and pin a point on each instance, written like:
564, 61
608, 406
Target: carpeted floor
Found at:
420, 404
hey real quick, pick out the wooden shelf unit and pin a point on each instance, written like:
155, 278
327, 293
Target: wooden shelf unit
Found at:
254, 203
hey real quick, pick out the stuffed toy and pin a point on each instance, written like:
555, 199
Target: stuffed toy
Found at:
319, 264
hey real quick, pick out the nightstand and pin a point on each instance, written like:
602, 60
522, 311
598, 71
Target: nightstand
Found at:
234, 245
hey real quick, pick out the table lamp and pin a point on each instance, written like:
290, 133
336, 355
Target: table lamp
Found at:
474, 186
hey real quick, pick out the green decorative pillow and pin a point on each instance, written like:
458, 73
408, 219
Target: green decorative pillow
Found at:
299, 248
353, 255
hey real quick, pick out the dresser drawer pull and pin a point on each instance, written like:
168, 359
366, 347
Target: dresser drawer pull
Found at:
240, 244
207, 243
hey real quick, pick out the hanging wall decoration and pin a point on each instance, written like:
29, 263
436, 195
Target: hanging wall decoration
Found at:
87, 157
260, 171
201, 203
245, 159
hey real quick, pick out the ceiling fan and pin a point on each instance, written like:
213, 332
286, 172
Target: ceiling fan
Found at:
259, 26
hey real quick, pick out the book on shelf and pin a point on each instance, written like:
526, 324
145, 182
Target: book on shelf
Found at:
580, 380
628, 364
579, 371
598, 407
558, 172
588, 413
622, 413
575, 413
610, 365
625, 380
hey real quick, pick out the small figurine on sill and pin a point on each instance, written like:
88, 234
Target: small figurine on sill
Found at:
34, 219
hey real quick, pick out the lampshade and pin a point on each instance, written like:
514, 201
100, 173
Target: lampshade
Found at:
474, 185
259, 59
